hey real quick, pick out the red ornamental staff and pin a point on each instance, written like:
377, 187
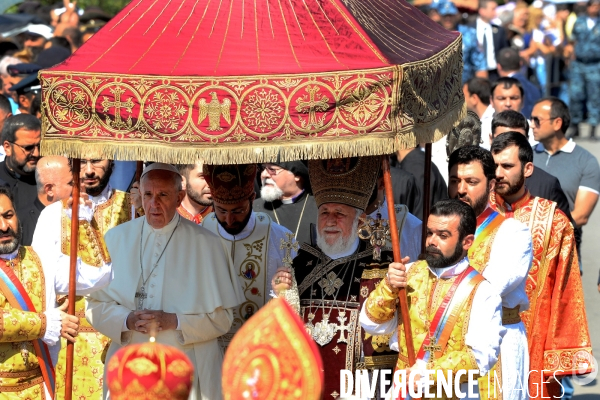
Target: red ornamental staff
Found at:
73, 272
389, 194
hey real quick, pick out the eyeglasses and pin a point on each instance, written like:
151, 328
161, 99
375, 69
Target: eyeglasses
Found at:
271, 170
538, 121
28, 149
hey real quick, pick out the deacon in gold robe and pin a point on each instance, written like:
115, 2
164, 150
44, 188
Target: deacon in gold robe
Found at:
336, 276
29, 337
443, 281
172, 273
52, 241
502, 253
256, 243
556, 322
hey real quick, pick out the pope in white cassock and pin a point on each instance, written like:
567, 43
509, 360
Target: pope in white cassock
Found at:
171, 274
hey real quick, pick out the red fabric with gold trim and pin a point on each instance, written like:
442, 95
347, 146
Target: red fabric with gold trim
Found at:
272, 358
232, 81
149, 371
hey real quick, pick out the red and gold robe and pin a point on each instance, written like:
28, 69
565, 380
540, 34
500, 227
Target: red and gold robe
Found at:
198, 218
556, 322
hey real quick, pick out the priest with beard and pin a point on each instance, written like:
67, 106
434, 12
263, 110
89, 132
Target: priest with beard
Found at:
107, 208
197, 202
442, 281
502, 252
336, 276
285, 196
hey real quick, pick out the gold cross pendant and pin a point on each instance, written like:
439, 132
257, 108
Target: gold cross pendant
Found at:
377, 232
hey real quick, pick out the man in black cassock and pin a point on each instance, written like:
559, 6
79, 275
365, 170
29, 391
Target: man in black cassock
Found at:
286, 197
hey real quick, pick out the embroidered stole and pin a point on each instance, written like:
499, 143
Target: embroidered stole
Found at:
17, 297
448, 312
249, 256
487, 223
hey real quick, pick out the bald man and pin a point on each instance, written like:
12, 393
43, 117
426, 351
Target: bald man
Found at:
54, 183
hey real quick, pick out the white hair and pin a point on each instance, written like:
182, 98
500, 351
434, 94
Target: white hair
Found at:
6, 61
342, 244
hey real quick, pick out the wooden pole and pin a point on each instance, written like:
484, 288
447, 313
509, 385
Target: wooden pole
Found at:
426, 194
73, 272
389, 195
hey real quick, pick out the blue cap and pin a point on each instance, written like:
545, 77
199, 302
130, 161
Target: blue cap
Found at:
446, 8
23, 69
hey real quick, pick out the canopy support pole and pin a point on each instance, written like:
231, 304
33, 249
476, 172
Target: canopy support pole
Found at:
389, 194
139, 167
73, 272
426, 194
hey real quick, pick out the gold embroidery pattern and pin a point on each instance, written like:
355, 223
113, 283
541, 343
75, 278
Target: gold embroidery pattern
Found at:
568, 360
142, 366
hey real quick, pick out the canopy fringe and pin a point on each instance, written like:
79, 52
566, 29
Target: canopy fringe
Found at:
369, 145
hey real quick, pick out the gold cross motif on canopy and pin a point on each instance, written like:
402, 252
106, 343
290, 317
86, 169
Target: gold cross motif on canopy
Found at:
117, 104
311, 107
288, 245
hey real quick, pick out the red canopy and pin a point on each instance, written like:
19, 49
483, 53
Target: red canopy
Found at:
243, 80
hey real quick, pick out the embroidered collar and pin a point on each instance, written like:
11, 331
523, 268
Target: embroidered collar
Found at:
500, 205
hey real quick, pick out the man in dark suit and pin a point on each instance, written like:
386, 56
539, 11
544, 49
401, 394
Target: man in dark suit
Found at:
490, 37
509, 65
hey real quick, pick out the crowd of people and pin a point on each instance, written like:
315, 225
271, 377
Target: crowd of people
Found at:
191, 252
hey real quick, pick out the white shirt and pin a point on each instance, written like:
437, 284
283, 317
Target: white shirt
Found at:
486, 126
410, 240
485, 330
485, 29
508, 266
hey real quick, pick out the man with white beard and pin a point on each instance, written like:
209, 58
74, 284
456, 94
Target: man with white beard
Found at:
285, 196
336, 276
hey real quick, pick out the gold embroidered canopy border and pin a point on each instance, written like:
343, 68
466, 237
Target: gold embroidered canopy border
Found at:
239, 81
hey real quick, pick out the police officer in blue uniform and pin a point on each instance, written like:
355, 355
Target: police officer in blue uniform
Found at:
474, 62
584, 88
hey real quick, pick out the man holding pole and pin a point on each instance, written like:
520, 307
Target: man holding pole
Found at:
31, 326
51, 240
443, 282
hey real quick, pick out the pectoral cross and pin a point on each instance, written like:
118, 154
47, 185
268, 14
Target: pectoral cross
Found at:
141, 296
377, 232
288, 245
342, 328
432, 347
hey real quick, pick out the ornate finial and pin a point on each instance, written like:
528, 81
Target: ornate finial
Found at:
377, 232
291, 294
